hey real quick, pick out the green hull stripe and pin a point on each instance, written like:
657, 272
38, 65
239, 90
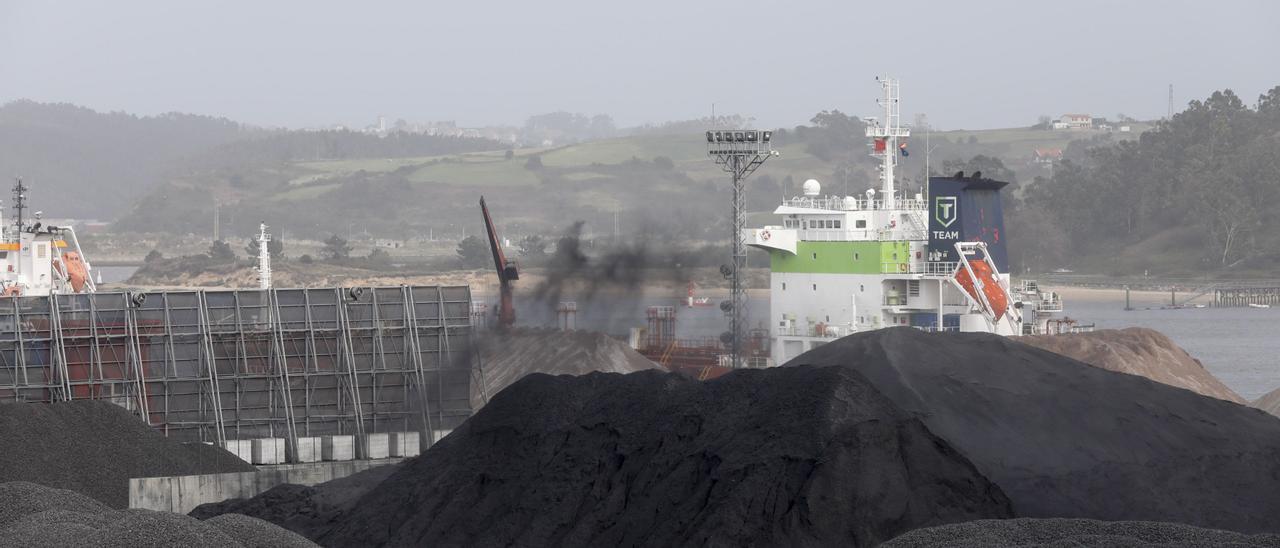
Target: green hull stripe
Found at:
840, 257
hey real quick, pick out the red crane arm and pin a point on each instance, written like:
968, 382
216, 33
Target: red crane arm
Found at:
495, 245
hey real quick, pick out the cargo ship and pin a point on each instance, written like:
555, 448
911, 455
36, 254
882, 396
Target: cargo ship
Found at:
935, 259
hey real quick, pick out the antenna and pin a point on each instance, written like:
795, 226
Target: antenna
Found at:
19, 203
739, 152
217, 217
1170, 115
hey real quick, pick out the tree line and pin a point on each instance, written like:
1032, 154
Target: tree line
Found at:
1207, 181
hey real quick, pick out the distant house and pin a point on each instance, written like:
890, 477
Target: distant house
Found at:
1074, 121
387, 243
1046, 156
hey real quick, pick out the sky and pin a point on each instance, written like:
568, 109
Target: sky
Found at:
977, 64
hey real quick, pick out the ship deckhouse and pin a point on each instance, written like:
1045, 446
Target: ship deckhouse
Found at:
934, 260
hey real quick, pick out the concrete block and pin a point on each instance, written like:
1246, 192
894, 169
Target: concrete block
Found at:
268, 451
405, 444
240, 448
440, 434
376, 446
310, 449
338, 447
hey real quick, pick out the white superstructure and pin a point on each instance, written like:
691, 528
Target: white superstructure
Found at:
39, 259
843, 264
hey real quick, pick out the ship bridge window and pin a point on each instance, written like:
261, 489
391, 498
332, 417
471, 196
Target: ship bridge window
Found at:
41, 251
837, 224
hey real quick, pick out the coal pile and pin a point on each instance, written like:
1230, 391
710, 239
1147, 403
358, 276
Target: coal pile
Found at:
789, 457
94, 448
1137, 351
36, 516
308, 511
1064, 439
506, 357
1074, 532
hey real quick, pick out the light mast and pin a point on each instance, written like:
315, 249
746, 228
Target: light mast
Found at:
264, 257
886, 139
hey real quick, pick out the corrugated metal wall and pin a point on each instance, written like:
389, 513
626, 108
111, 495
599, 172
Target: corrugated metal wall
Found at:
242, 364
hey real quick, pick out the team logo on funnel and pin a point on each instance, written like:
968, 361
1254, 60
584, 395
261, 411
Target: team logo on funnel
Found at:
944, 210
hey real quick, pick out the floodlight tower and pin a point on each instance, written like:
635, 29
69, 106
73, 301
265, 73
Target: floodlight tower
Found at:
739, 152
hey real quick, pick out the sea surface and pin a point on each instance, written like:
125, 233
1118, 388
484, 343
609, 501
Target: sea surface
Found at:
114, 274
1240, 346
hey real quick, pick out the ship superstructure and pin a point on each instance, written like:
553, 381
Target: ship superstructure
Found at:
37, 259
934, 260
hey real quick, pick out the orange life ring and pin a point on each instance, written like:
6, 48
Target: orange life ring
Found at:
764, 235
902, 267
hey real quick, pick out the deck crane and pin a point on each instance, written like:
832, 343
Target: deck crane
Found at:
508, 271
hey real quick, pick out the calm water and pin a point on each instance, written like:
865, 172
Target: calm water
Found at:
114, 274
1237, 345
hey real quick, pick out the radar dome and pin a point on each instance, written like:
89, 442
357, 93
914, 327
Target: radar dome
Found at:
812, 187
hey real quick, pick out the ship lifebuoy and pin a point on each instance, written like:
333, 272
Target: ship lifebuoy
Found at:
764, 235
902, 267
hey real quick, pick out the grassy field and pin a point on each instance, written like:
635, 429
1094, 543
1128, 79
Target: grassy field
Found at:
583, 162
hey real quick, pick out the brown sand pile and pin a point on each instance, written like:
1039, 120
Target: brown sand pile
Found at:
1138, 351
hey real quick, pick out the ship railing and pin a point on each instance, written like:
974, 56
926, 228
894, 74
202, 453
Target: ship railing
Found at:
853, 203
837, 235
936, 329
943, 269
812, 331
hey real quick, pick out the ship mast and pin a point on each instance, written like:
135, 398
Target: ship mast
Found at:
19, 205
886, 138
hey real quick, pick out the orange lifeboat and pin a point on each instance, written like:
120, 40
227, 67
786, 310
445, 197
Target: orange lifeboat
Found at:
77, 272
990, 286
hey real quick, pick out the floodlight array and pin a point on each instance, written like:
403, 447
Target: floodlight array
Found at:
739, 141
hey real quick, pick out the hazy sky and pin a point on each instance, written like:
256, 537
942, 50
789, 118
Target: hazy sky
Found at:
970, 64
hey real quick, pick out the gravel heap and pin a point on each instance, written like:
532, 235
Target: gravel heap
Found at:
1138, 351
1074, 532
506, 357
791, 457
37, 516
1064, 439
94, 448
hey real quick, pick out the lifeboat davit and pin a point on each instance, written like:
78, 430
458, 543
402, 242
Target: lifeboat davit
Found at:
990, 286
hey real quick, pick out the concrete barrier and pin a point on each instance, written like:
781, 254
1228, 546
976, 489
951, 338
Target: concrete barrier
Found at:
268, 451
309, 449
376, 445
405, 444
338, 448
181, 494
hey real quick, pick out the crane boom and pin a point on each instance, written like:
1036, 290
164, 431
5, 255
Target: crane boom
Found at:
508, 271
